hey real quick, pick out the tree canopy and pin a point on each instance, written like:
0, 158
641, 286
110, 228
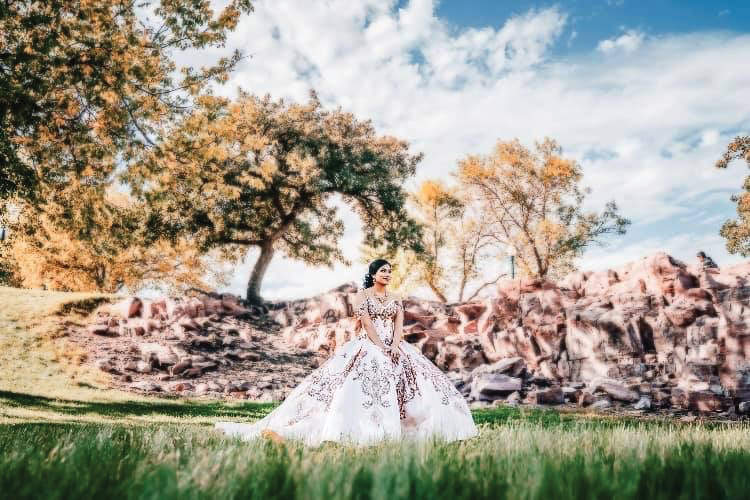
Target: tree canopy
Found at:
85, 84
736, 232
254, 172
534, 199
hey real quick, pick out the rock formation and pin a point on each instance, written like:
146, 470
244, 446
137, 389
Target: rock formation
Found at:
207, 345
651, 334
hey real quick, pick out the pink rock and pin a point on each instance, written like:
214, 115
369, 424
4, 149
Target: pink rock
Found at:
175, 308
551, 396
232, 305
106, 365
163, 354
128, 308
491, 386
598, 282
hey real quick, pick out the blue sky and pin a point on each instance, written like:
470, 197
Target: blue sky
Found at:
644, 95
594, 20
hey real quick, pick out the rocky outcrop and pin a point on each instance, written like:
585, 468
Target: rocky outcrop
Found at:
193, 346
653, 333
650, 335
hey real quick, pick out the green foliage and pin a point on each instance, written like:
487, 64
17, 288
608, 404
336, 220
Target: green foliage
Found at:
258, 172
87, 87
85, 84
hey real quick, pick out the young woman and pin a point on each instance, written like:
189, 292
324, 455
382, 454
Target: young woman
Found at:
375, 386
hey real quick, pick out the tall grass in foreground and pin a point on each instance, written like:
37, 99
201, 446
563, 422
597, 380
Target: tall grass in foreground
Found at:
513, 459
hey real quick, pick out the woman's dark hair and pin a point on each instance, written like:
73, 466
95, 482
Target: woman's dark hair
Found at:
370, 276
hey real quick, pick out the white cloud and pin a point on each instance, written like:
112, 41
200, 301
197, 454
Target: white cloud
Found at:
646, 127
627, 42
709, 137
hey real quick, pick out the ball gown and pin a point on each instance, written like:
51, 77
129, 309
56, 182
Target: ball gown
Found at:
361, 395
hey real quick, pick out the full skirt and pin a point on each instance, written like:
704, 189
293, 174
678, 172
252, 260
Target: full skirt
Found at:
361, 396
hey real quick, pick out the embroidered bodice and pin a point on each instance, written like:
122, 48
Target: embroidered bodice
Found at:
382, 314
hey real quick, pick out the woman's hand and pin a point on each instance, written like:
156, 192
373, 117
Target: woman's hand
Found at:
392, 352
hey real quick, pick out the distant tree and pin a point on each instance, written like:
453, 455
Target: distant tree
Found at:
111, 257
534, 200
435, 206
736, 232
475, 247
257, 173
85, 85
458, 242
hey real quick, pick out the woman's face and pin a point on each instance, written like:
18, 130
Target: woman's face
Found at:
383, 275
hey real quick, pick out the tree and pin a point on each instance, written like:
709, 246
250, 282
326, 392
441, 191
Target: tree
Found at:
475, 245
257, 173
435, 207
736, 232
457, 241
536, 202
110, 258
85, 85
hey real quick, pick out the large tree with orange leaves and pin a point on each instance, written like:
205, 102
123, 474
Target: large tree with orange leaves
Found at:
87, 87
87, 84
116, 254
254, 172
534, 199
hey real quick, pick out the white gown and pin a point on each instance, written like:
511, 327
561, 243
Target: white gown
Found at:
360, 396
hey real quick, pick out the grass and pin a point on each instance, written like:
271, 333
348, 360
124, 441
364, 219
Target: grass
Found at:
35, 356
64, 434
519, 454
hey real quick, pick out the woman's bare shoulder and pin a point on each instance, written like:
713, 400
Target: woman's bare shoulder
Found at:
360, 296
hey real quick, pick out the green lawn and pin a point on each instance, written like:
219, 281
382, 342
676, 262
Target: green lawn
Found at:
162, 449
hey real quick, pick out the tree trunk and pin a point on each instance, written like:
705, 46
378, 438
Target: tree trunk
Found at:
438, 293
256, 277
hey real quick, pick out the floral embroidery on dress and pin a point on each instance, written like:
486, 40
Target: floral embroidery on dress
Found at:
300, 414
376, 382
406, 387
324, 384
382, 316
440, 382
375, 386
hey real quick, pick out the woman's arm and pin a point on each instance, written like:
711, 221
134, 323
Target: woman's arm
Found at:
361, 310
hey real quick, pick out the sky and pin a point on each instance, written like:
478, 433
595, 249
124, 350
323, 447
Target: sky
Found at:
644, 95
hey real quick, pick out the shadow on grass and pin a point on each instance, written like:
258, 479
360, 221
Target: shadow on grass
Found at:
501, 415
135, 408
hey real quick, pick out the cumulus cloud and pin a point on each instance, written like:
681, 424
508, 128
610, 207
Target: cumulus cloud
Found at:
627, 42
646, 127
